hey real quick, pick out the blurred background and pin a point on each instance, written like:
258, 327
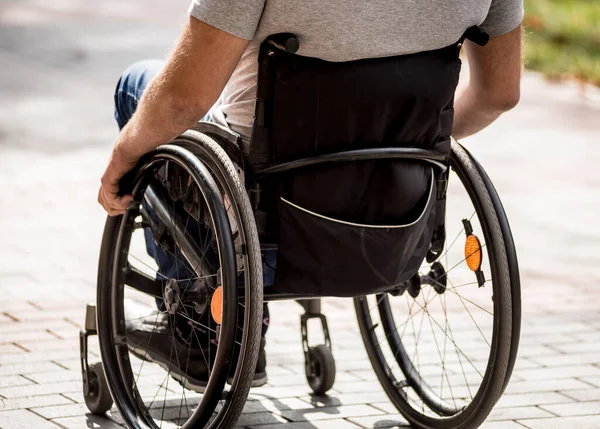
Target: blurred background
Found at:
59, 63
564, 38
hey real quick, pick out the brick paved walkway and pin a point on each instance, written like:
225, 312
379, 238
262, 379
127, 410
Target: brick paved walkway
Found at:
55, 131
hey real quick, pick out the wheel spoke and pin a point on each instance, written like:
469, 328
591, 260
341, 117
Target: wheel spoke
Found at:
471, 302
464, 284
147, 345
162, 416
462, 301
166, 379
144, 316
418, 337
403, 324
207, 361
442, 359
456, 345
458, 356
173, 335
147, 266
203, 326
445, 347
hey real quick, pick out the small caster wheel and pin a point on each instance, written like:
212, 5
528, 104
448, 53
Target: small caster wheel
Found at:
320, 369
97, 399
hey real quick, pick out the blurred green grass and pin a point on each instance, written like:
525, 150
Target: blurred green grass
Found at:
563, 38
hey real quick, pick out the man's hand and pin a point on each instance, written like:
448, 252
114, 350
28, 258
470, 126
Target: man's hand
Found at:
119, 164
178, 97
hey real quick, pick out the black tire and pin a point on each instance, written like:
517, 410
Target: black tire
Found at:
320, 369
228, 175
395, 354
97, 399
211, 171
515, 280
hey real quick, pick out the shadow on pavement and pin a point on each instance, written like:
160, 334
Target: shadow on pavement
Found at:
258, 413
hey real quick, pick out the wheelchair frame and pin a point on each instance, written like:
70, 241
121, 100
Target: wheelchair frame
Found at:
230, 142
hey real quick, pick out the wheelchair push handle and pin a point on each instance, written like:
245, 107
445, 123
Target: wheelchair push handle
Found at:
286, 42
476, 35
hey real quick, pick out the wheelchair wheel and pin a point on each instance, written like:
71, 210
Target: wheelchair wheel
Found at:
175, 326
97, 398
320, 369
444, 348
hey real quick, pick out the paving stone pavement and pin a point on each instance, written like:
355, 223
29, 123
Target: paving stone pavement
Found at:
59, 63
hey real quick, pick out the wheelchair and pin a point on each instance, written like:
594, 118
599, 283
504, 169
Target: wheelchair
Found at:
437, 296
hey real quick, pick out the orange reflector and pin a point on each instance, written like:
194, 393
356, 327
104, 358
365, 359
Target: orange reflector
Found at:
216, 305
473, 253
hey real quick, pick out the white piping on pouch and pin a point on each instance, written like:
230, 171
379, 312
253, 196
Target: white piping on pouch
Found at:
368, 226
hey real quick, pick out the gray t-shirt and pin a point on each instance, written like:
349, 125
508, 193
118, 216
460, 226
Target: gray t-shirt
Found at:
342, 30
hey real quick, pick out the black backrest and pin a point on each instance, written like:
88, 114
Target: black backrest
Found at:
308, 107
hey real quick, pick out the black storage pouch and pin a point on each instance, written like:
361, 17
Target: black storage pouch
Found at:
335, 254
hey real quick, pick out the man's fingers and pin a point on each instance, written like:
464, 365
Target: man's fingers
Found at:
117, 205
105, 204
122, 202
108, 197
113, 204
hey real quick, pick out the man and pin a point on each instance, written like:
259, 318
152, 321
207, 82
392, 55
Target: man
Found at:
212, 72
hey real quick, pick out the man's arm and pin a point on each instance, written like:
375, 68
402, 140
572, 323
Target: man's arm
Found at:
494, 83
179, 96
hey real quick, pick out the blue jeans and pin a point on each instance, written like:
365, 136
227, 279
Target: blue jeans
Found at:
129, 90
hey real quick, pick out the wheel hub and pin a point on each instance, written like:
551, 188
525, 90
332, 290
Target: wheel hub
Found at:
171, 296
412, 285
201, 295
437, 278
